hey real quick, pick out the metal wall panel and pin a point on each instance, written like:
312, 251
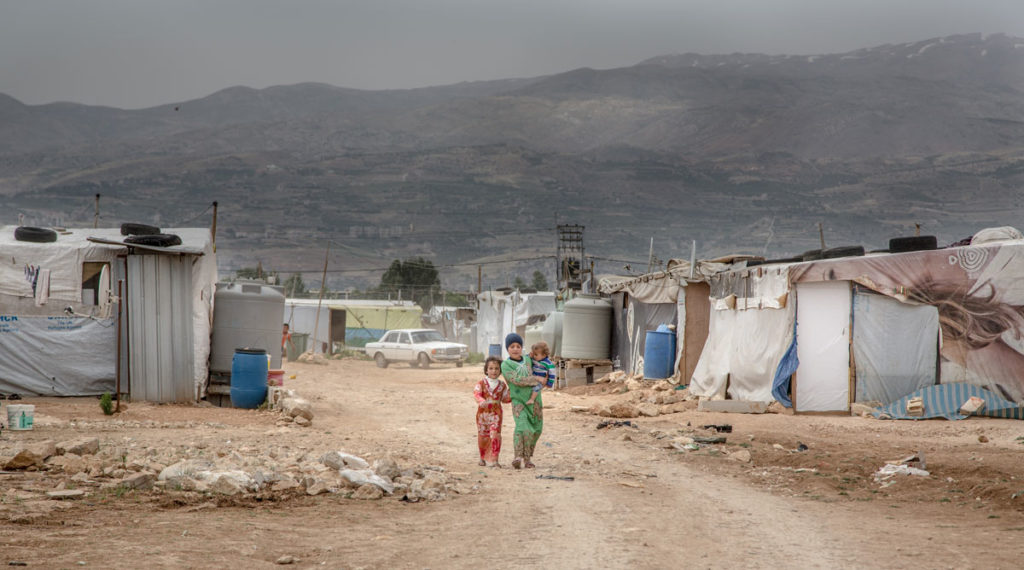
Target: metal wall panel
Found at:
162, 352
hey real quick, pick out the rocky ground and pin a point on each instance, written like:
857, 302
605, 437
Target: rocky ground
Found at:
364, 467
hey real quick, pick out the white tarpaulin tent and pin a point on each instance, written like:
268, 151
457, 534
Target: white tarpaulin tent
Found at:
961, 306
671, 297
500, 313
58, 294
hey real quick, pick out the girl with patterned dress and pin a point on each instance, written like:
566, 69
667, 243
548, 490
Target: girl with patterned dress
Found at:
518, 372
490, 393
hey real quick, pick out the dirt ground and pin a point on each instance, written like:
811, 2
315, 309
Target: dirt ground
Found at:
635, 500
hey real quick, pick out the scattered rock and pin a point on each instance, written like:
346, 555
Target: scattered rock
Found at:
368, 492
140, 481
741, 455
662, 385
341, 460
285, 484
302, 422
982, 439
295, 407
31, 456
647, 410
80, 446
226, 486
287, 559
633, 385
317, 487
623, 410
66, 494
386, 467
70, 463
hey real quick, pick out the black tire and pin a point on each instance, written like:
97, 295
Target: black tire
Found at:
380, 360
130, 229
844, 251
784, 260
423, 360
913, 243
811, 255
459, 364
157, 240
36, 235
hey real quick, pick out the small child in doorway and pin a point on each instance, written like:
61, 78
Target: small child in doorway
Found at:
543, 369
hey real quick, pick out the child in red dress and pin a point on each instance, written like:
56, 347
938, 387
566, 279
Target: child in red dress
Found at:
490, 393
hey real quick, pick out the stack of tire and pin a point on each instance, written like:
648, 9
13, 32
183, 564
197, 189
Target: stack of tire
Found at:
141, 234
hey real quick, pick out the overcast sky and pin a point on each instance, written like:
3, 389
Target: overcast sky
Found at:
140, 53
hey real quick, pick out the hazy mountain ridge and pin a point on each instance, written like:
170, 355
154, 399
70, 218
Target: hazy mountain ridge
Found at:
740, 151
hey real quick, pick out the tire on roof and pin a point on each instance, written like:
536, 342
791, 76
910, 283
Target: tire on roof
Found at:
33, 234
912, 243
156, 240
132, 229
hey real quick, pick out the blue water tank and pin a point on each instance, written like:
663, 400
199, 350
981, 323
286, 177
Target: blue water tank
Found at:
494, 350
248, 378
659, 354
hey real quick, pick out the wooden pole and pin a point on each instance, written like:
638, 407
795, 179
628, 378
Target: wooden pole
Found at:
117, 388
821, 235
213, 228
320, 300
96, 216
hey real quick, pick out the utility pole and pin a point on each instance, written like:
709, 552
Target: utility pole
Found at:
213, 228
821, 234
96, 217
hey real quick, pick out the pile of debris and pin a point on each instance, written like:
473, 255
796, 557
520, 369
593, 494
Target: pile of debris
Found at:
642, 398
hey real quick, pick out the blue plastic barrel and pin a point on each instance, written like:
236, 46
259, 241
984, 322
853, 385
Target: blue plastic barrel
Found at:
659, 354
248, 378
494, 350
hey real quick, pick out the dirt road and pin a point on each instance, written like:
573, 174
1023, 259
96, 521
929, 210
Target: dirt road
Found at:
634, 500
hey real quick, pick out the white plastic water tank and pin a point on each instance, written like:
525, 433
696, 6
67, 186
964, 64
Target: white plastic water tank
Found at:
587, 328
552, 332
246, 315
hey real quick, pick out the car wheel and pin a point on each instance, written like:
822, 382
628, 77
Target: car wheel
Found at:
458, 364
380, 360
423, 360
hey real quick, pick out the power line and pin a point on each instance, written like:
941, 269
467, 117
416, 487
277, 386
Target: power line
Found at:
413, 263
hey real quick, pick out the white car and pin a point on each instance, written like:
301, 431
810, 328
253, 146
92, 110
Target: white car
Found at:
418, 347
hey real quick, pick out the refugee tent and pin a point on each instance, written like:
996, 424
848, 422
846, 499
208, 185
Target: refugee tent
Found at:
58, 314
870, 328
503, 312
350, 322
452, 322
670, 297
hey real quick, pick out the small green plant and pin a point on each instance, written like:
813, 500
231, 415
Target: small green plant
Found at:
475, 358
107, 404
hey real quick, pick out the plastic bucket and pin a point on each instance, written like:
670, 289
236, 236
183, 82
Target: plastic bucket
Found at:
248, 377
275, 378
659, 354
20, 416
494, 350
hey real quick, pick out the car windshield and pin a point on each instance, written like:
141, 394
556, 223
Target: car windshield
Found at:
426, 336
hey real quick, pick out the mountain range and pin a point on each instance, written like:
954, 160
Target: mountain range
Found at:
739, 152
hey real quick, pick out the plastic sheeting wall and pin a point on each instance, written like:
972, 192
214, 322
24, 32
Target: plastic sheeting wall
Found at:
87, 348
743, 350
823, 347
895, 347
160, 328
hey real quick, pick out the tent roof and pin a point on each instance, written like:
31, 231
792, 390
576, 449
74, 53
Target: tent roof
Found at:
193, 240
